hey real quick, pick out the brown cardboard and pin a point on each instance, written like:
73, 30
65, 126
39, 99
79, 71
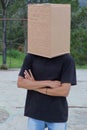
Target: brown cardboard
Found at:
49, 29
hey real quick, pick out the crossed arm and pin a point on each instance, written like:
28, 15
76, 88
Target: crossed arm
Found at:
48, 87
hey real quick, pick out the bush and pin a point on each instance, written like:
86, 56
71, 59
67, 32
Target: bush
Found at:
79, 36
15, 54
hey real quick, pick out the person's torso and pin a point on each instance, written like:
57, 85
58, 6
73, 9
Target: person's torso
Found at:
42, 106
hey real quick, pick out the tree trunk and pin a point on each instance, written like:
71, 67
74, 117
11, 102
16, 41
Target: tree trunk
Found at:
4, 37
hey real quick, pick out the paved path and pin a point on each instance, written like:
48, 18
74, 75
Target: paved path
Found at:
12, 102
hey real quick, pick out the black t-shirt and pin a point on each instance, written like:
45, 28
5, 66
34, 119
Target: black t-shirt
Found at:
41, 106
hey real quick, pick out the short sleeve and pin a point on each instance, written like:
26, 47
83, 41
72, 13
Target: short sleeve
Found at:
27, 64
68, 74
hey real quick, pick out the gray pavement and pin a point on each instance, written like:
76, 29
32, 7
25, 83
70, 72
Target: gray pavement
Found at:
12, 101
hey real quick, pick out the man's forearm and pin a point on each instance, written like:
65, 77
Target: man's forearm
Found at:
31, 85
60, 91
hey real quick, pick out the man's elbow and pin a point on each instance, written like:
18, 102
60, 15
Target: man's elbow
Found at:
66, 89
19, 82
66, 93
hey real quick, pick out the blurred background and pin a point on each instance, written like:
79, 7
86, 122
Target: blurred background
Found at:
13, 31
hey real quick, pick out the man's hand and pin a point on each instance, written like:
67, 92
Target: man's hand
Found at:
54, 84
28, 75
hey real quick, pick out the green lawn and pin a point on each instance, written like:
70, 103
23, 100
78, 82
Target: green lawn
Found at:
81, 66
13, 62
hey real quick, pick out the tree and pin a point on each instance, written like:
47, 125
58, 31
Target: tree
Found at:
4, 4
79, 36
17, 32
74, 3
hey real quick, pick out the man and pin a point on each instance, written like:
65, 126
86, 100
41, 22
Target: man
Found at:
48, 82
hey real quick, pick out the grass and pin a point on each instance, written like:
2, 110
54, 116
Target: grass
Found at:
13, 62
81, 66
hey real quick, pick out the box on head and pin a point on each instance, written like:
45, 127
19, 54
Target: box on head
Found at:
49, 29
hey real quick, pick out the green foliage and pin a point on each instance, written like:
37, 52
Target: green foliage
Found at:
17, 29
4, 3
79, 36
17, 8
74, 3
15, 54
79, 18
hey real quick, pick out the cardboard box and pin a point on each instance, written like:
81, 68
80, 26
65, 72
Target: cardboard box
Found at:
49, 29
